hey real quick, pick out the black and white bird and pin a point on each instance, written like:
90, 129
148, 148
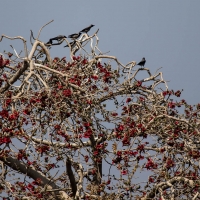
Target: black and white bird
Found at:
72, 44
74, 36
142, 62
58, 38
85, 30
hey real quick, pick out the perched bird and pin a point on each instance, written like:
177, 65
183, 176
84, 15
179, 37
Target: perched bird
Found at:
58, 38
49, 42
142, 62
74, 36
71, 43
85, 30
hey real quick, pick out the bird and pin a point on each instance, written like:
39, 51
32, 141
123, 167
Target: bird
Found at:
72, 44
58, 38
49, 42
85, 30
142, 62
74, 36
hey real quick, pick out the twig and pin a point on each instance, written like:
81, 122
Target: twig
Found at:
42, 28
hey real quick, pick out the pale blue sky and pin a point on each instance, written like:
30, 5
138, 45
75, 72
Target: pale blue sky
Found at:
166, 33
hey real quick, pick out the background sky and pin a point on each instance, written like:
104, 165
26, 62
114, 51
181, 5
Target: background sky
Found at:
166, 33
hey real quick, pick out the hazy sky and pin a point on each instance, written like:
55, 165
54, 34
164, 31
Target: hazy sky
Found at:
166, 33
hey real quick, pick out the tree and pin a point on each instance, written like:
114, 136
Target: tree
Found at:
91, 128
